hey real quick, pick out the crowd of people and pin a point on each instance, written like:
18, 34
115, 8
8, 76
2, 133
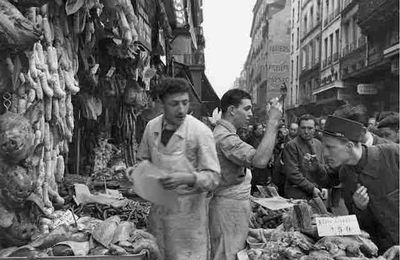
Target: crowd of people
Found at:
214, 172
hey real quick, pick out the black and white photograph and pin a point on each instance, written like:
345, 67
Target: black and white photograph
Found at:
199, 130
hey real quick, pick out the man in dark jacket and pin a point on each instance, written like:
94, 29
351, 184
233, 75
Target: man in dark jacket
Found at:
388, 126
297, 154
370, 177
356, 113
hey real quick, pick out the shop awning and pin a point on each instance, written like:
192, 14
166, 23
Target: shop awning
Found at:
336, 84
209, 98
182, 71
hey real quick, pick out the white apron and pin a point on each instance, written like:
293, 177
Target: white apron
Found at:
181, 233
229, 220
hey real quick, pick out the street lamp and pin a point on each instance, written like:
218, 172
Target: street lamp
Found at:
283, 96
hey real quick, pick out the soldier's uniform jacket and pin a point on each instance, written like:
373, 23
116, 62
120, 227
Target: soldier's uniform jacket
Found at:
378, 171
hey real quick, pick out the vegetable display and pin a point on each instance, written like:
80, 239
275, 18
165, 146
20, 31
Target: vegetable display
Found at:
296, 236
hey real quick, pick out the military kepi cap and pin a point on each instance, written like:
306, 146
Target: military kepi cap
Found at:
344, 128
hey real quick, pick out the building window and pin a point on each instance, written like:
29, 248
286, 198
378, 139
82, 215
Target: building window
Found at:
297, 38
337, 44
354, 31
346, 34
326, 49
291, 71
304, 58
337, 7
297, 67
327, 8
330, 46
311, 59
317, 46
292, 43
392, 35
311, 17
305, 25
318, 12
291, 95
298, 10
293, 16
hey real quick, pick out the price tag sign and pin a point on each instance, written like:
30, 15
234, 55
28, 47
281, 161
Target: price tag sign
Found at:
338, 226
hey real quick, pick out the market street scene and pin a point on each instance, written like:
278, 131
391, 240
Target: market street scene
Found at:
199, 130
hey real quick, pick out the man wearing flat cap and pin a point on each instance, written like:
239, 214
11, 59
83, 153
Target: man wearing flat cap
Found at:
388, 126
370, 177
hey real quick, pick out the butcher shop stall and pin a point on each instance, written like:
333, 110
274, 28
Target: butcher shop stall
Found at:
76, 82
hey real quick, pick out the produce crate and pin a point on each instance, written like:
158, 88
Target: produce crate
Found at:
141, 256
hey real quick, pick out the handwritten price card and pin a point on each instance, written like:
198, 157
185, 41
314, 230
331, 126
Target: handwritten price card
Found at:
338, 226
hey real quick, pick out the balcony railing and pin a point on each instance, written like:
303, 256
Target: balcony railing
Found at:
353, 46
367, 8
347, 2
329, 60
337, 12
335, 56
190, 59
362, 41
331, 17
325, 21
345, 50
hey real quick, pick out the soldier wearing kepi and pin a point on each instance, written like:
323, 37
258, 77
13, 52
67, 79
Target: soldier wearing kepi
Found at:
184, 147
230, 206
376, 169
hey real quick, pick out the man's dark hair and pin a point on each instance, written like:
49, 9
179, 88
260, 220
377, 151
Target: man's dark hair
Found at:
233, 97
306, 117
170, 86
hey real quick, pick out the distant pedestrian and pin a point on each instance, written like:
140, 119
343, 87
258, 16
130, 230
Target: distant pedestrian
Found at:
297, 155
320, 126
371, 123
293, 128
388, 126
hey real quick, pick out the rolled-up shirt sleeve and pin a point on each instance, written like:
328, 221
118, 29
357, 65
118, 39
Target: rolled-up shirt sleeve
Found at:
208, 173
292, 170
237, 151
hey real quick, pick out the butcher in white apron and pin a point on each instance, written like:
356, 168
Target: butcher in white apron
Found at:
184, 147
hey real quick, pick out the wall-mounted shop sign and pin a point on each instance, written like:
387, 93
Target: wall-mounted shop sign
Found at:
367, 89
279, 48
